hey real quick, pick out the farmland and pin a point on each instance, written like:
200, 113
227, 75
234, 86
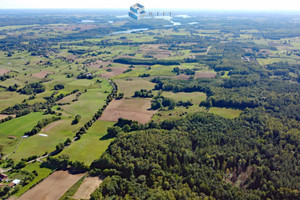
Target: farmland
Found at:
59, 182
150, 108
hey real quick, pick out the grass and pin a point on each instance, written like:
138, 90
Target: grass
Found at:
17, 127
88, 103
8, 99
226, 75
177, 112
267, 61
42, 174
128, 87
90, 147
86, 106
38, 145
195, 97
72, 190
156, 70
225, 112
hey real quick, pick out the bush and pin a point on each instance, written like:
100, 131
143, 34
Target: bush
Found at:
59, 86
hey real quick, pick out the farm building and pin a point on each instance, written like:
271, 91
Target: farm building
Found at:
14, 183
3, 177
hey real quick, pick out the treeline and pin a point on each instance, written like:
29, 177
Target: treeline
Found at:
5, 77
202, 156
143, 93
32, 88
179, 71
26, 108
63, 162
110, 97
183, 86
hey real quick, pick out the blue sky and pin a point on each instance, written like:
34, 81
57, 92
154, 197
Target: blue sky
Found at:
158, 4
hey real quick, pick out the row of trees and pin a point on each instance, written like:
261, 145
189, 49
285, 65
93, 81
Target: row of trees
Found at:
41, 124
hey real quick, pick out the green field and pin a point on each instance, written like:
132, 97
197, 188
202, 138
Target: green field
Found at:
128, 87
16, 128
225, 112
90, 147
194, 97
42, 173
177, 112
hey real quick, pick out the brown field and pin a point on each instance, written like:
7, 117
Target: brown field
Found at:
133, 109
205, 74
50, 126
53, 187
155, 51
42, 74
182, 77
115, 71
88, 186
71, 57
3, 71
4, 116
119, 23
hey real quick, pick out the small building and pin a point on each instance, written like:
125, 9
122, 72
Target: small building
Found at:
11, 184
14, 183
3, 177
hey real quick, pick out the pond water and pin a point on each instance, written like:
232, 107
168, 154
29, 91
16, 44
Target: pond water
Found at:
87, 21
130, 31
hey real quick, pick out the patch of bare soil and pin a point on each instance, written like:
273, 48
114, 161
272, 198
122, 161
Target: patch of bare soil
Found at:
53, 187
205, 74
88, 186
115, 71
4, 71
5, 116
42, 74
134, 109
155, 51
182, 77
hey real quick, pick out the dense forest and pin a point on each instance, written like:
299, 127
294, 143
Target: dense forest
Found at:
201, 156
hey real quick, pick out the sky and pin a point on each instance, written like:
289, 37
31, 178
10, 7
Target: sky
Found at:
158, 4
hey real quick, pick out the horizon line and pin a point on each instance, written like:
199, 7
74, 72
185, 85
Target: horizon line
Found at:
179, 9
